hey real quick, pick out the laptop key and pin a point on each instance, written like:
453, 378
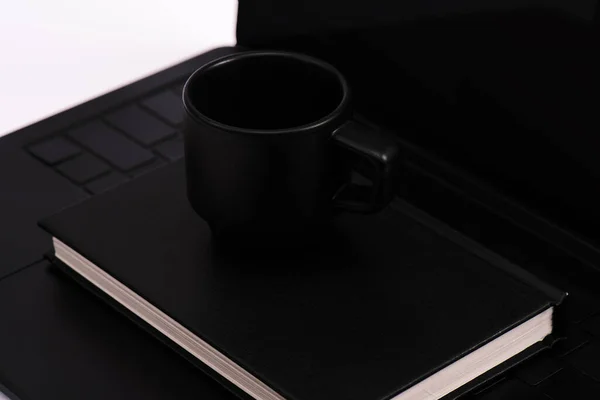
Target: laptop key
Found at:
536, 369
140, 125
587, 360
171, 149
167, 105
55, 150
83, 168
106, 182
111, 145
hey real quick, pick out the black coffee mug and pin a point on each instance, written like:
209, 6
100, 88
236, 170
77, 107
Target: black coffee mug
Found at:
270, 144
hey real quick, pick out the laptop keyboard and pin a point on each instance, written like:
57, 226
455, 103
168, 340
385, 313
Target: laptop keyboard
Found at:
121, 144
138, 137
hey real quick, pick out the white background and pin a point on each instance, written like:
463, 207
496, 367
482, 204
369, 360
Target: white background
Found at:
55, 54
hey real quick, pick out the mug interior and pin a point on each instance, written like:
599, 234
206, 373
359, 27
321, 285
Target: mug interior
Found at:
266, 91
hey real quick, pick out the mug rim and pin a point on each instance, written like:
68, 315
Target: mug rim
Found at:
192, 111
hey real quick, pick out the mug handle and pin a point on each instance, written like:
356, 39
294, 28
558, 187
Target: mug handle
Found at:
375, 154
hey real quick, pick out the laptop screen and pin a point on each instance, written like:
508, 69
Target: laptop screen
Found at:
506, 90
264, 20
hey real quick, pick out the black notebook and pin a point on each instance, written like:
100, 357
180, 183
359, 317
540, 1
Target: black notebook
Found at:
394, 306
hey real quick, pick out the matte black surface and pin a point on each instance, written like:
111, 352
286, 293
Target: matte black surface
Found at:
106, 182
573, 339
569, 384
54, 150
512, 389
538, 369
83, 168
339, 321
166, 105
593, 325
270, 144
58, 342
28, 191
261, 22
265, 91
582, 305
140, 125
586, 359
157, 163
171, 149
450, 197
111, 145
481, 60
478, 83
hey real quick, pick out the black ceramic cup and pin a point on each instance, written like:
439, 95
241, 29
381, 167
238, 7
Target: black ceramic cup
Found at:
269, 146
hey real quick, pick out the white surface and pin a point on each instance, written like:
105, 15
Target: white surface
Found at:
59, 53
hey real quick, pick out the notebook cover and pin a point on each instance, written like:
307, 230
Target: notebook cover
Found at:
389, 300
475, 384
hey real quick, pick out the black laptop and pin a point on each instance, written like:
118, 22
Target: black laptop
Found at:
494, 107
